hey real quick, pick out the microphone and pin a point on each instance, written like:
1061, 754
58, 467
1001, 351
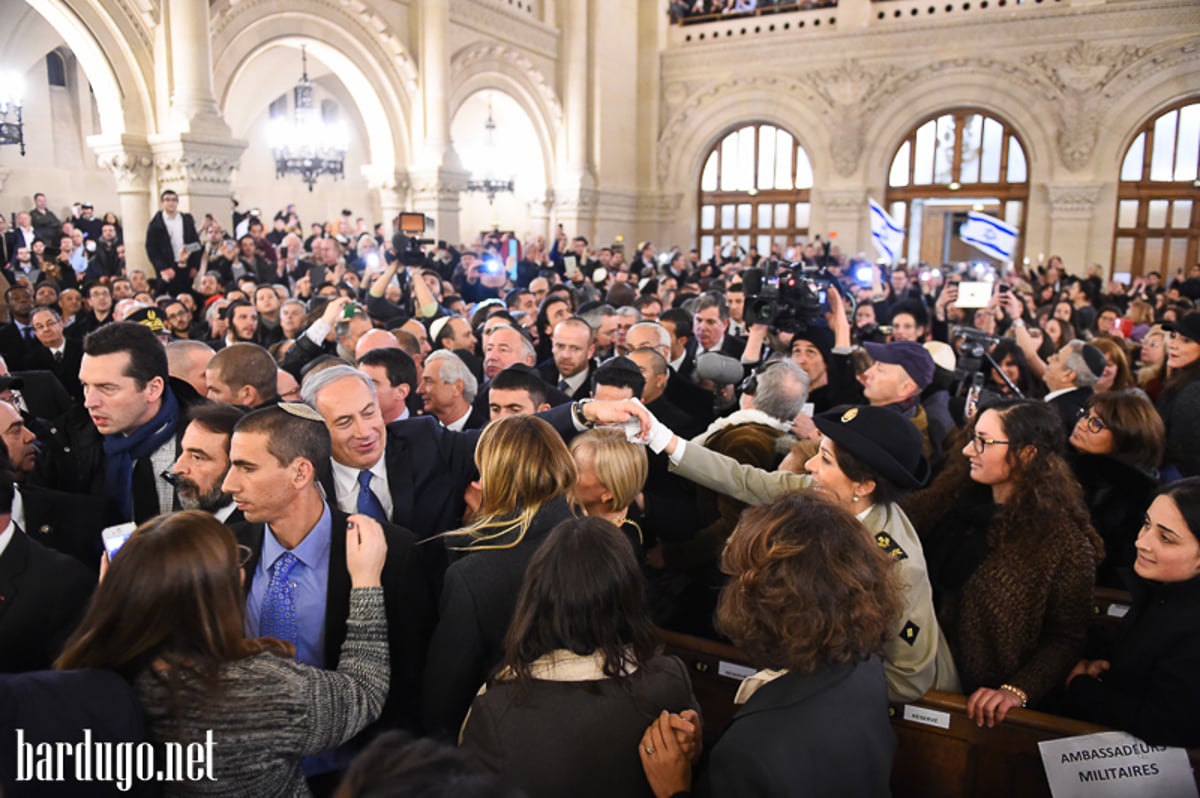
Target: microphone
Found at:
721, 369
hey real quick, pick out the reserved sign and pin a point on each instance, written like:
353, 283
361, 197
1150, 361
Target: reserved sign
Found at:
1113, 764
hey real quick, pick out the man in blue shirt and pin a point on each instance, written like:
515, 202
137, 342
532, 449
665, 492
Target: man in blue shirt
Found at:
297, 586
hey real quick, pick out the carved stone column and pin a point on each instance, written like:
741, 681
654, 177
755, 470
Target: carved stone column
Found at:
1072, 209
436, 193
575, 188
130, 161
199, 169
193, 106
843, 212
390, 189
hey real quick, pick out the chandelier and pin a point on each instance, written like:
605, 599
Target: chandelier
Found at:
490, 184
307, 145
12, 127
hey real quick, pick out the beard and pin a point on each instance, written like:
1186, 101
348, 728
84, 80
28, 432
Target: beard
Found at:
190, 497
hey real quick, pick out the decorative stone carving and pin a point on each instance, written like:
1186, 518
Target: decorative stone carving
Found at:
521, 30
4, 173
189, 163
130, 167
494, 57
354, 16
1072, 202
851, 202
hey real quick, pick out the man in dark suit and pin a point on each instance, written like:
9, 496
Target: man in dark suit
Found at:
573, 349
168, 233
16, 337
1071, 373
55, 353
42, 592
66, 522
417, 469
689, 397
297, 566
711, 325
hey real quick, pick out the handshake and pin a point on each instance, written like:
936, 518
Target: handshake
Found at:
639, 423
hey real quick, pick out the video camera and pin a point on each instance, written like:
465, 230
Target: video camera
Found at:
407, 242
786, 295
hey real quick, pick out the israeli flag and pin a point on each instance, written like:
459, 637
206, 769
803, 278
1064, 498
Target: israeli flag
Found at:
989, 234
886, 235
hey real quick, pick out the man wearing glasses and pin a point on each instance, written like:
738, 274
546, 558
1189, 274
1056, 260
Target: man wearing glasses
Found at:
54, 352
1071, 373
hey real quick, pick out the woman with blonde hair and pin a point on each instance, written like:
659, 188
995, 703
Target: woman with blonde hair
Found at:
525, 473
611, 473
169, 616
1152, 362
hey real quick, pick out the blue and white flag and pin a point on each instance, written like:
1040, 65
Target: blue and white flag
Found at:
886, 234
989, 234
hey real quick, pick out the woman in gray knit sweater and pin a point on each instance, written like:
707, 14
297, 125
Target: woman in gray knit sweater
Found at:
168, 616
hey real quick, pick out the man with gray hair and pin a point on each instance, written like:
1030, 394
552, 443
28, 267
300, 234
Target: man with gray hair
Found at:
448, 389
603, 321
1071, 374
416, 470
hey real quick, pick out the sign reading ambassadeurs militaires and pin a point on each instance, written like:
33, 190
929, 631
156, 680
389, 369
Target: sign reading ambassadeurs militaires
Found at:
1113, 765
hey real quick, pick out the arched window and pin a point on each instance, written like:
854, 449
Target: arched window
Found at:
56, 69
1158, 197
755, 190
955, 162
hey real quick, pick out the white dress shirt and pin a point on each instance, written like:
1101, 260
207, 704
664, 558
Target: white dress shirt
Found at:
345, 482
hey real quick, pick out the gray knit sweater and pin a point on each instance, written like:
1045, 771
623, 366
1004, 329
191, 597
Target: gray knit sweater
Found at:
272, 711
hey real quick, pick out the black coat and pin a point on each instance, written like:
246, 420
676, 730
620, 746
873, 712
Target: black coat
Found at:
428, 469
1070, 406
66, 371
578, 739
822, 734
54, 707
1117, 495
478, 600
408, 599
1150, 690
43, 597
69, 523
14, 347
551, 376
163, 256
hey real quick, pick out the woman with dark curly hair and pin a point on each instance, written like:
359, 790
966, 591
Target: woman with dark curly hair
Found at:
581, 676
811, 599
1012, 558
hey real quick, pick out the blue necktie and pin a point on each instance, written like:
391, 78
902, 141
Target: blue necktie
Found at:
368, 503
278, 616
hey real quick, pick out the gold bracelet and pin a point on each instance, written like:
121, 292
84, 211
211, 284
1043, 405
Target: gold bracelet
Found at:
1017, 691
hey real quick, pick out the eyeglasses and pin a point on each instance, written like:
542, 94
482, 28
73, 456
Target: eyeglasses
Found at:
979, 443
1095, 424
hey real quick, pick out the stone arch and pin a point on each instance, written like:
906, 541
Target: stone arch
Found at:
486, 66
924, 97
1154, 86
709, 115
115, 53
374, 68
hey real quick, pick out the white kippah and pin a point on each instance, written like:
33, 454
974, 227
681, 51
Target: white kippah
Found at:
435, 329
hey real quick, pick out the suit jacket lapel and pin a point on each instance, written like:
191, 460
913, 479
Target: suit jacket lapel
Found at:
13, 563
337, 592
400, 482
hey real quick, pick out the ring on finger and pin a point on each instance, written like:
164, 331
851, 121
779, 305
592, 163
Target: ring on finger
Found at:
649, 749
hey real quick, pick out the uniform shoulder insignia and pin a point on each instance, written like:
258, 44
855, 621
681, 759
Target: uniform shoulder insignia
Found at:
889, 544
909, 633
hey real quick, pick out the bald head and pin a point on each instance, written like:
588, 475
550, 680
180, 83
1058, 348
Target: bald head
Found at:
375, 339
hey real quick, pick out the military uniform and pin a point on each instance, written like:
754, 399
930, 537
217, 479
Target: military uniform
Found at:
916, 658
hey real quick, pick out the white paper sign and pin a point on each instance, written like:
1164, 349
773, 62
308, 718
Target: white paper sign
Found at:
735, 671
1112, 764
930, 717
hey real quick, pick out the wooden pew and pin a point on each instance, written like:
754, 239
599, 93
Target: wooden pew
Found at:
965, 760
712, 666
962, 761
1109, 604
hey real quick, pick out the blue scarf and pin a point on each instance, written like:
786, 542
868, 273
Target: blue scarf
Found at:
122, 451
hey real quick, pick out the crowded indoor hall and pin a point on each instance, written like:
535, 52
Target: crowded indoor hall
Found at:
653, 398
